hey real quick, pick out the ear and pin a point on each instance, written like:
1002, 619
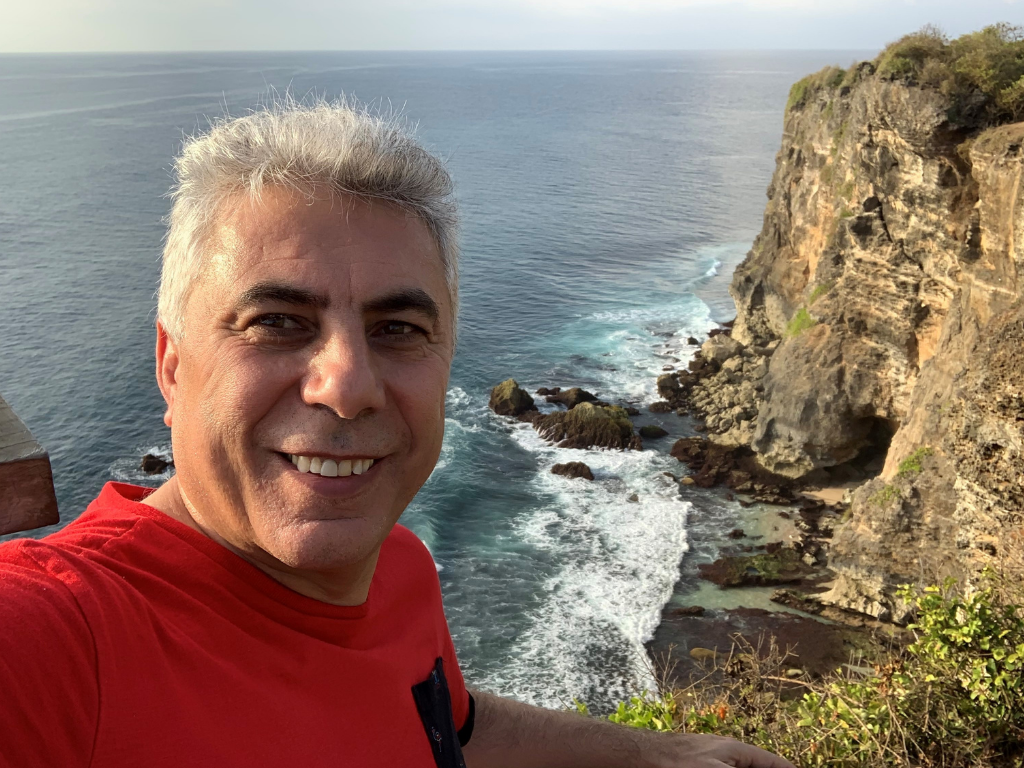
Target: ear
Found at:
167, 360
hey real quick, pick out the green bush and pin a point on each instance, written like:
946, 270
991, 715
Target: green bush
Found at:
912, 464
982, 73
885, 496
952, 698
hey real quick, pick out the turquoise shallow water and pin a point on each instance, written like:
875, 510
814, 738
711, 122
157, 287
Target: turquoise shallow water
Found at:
606, 199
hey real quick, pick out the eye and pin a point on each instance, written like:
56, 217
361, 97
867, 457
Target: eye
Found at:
277, 323
399, 331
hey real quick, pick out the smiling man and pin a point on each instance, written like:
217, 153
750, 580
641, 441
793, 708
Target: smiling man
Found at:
262, 607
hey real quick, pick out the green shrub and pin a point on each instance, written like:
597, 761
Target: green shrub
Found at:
655, 713
802, 90
800, 322
907, 56
982, 73
952, 698
912, 464
884, 496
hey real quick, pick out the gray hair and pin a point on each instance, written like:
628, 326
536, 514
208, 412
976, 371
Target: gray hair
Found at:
335, 146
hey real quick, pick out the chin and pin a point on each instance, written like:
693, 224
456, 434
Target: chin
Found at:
326, 545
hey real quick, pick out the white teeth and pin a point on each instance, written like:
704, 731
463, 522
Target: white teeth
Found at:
330, 467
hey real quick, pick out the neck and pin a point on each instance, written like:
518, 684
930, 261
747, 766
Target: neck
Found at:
348, 586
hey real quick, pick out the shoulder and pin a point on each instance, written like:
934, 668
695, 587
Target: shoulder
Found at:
404, 547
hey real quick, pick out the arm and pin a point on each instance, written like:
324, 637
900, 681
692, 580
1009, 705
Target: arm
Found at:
509, 734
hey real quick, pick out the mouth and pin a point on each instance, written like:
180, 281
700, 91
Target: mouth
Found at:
329, 467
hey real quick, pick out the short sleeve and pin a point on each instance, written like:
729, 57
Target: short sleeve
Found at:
49, 696
456, 685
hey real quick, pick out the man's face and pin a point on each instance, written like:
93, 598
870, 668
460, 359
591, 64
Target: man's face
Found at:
320, 330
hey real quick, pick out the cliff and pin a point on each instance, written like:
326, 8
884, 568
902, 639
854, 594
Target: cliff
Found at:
888, 283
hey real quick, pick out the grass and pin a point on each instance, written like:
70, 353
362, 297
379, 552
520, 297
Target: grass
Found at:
952, 698
885, 496
800, 94
800, 322
911, 465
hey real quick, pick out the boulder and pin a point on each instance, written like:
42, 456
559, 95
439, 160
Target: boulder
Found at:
589, 426
765, 570
661, 406
720, 348
154, 465
573, 469
652, 432
509, 399
570, 398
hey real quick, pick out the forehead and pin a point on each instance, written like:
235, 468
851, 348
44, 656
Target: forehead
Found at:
345, 245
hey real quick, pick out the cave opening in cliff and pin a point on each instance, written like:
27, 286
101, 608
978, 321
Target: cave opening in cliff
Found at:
871, 457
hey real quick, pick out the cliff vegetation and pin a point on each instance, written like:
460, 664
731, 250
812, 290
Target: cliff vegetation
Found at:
952, 698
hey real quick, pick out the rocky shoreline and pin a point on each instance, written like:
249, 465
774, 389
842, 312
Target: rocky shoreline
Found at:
872, 382
719, 393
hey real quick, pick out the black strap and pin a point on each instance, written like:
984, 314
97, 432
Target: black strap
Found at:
434, 704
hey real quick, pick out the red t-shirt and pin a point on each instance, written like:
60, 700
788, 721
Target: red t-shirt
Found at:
129, 639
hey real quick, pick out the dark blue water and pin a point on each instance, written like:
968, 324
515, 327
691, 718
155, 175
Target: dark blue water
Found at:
606, 199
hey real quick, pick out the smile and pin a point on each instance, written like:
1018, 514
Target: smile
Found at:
329, 467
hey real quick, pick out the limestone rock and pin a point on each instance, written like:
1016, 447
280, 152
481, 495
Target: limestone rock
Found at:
883, 302
589, 426
652, 432
573, 469
720, 348
509, 399
570, 398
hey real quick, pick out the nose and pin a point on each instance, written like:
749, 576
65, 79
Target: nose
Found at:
343, 376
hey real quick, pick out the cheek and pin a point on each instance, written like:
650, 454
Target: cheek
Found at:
236, 391
420, 398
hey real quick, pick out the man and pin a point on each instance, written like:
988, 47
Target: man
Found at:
262, 608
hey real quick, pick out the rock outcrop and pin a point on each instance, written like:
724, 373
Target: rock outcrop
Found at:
509, 399
589, 426
574, 470
888, 285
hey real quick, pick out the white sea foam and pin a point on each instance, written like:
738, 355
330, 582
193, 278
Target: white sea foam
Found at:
619, 560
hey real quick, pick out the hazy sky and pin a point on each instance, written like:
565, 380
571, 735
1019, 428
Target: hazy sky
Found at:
152, 25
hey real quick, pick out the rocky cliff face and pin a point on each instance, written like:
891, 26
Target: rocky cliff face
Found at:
890, 273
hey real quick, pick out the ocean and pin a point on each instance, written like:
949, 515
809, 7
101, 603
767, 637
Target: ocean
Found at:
606, 199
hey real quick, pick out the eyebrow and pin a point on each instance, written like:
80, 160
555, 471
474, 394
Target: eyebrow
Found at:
262, 293
404, 300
